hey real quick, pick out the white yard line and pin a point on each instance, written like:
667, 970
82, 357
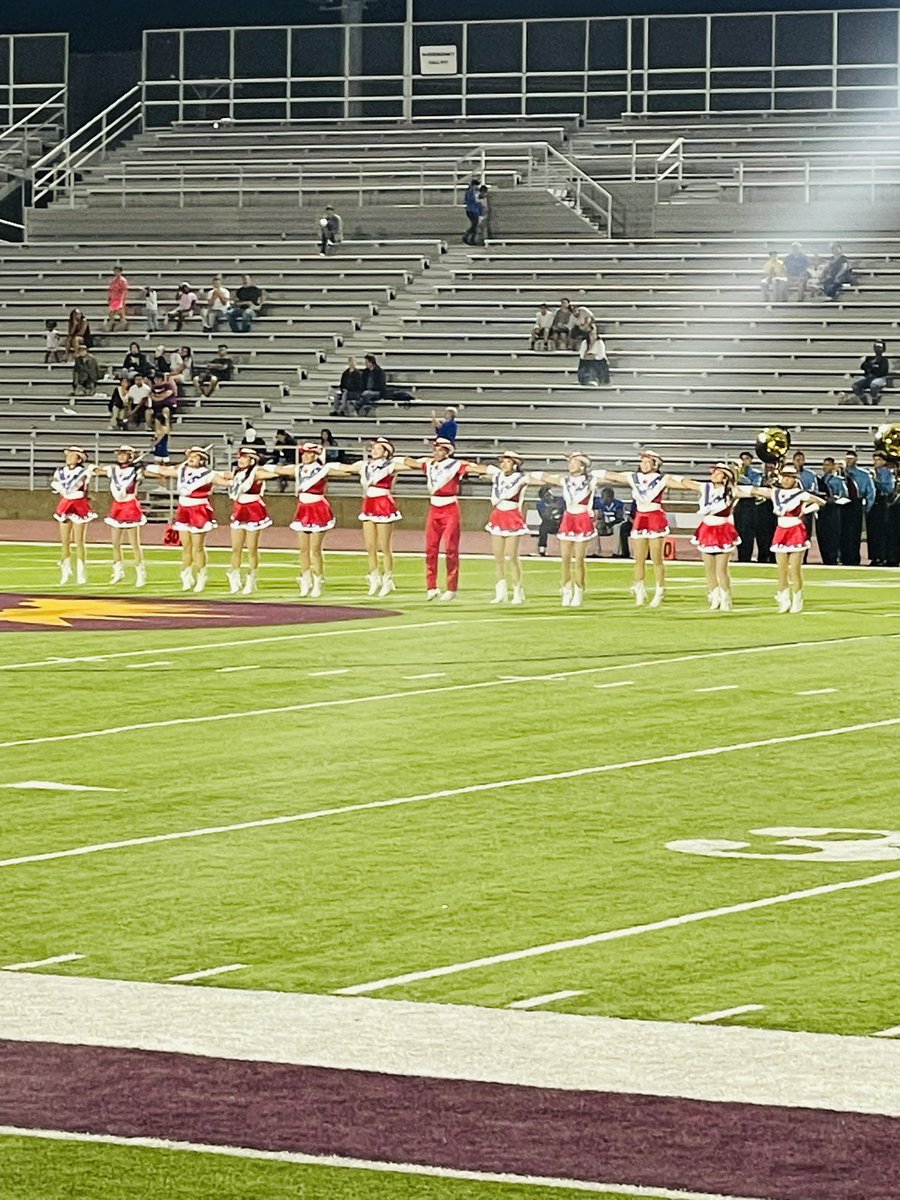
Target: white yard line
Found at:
889, 1033
231, 670
720, 687
141, 666
43, 962
359, 1164
612, 935
618, 683
330, 671
46, 785
706, 1018
540, 1001
427, 675
208, 973
466, 790
817, 692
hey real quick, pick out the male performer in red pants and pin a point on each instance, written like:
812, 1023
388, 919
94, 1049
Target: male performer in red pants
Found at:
443, 472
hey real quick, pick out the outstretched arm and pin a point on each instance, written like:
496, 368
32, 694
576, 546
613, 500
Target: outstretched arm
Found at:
541, 478
683, 482
163, 472
604, 476
413, 464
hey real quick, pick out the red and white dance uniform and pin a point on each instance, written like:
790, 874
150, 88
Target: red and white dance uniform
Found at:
249, 508
443, 480
125, 512
791, 535
650, 520
716, 533
194, 513
507, 497
377, 476
577, 524
313, 513
71, 484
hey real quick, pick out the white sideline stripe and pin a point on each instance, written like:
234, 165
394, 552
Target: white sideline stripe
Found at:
457, 687
332, 671
618, 683
360, 1164
230, 670
445, 793
539, 1001
43, 962
888, 1033
612, 935
47, 785
720, 687
817, 692
703, 1018
207, 974
428, 675
137, 666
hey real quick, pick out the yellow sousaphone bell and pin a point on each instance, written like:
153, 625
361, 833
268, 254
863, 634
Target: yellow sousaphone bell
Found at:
772, 444
887, 441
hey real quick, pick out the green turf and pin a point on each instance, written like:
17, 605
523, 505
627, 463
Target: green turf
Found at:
359, 896
33, 1167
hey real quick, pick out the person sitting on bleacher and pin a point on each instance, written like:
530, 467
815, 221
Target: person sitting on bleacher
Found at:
78, 332
162, 401
593, 365
218, 302
542, 330
774, 283
876, 370
349, 390
331, 230
446, 426
246, 306
797, 266
583, 322
374, 387
838, 272
85, 372
119, 404
139, 400
135, 362
561, 329
185, 305
219, 370
181, 368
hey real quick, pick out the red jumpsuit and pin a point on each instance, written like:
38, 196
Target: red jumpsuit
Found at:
443, 519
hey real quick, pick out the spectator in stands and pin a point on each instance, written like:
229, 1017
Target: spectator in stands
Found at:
829, 518
542, 330
374, 386
159, 442
876, 370
774, 283
837, 274
151, 309
181, 368
331, 230
349, 390
218, 302
117, 300
447, 425
583, 321
186, 302
218, 370
139, 400
797, 265
861, 490
483, 229
78, 333
85, 373
816, 271
252, 438
473, 211
563, 322
135, 362
331, 451
283, 455
246, 306
162, 360
745, 509
593, 365
609, 514
53, 351
550, 508
162, 400
119, 404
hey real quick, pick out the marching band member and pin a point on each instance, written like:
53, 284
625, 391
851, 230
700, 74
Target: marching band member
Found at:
506, 524
790, 501
73, 512
717, 537
313, 517
249, 517
650, 527
125, 516
443, 473
194, 517
577, 528
379, 512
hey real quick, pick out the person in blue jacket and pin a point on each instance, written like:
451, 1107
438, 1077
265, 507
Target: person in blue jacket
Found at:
473, 211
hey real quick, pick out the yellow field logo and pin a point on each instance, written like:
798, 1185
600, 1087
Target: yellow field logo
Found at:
65, 612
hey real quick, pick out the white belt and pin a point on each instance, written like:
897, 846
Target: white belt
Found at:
373, 492
192, 501
789, 522
576, 510
507, 505
648, 507
443, 501
310, 497
73, 495
715, 519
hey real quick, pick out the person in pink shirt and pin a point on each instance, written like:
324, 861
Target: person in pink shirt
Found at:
117, 300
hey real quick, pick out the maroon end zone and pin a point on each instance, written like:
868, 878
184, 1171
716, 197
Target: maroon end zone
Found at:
724, 1148
35, 612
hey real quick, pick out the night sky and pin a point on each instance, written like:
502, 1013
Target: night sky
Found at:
104, 25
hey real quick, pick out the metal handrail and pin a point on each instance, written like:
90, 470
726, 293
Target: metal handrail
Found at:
15, 139
675, 152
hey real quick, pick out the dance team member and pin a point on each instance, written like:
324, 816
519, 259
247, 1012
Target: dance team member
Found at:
194, 516
790, 500
506, 524
73, 512
443, 474
650, 526
717, 537
577, 528
313, 517
249, 517
379, 512
125, 516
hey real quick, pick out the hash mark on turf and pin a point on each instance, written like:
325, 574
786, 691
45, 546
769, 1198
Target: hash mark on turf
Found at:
333, 671
226, 670
619, 683
720, 687
539, 1001
708, 1018
428, 675
47, 785
43, 962
207, 974
142, 665
817, 692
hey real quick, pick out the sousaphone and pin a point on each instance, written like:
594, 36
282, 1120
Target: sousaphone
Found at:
887, 441
772, 444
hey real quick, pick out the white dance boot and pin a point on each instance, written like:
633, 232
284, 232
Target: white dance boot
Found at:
234, 581
501, 592
639, 591
433, 594
783, 600
80, 571
318, 582
187, 579
518, 596
725, 604
304, 582
140, 575
567, 595
374, 582
387, 585
577, 596
447, 596
797, 602
249, 584
658, 597
65, 571
715, 599
118, 573
201, 580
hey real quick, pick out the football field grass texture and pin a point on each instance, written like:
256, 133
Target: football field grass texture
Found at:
465, 803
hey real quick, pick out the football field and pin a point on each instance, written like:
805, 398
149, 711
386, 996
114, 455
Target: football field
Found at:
665, 816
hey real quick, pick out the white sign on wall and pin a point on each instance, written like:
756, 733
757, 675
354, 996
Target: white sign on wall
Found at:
437, 60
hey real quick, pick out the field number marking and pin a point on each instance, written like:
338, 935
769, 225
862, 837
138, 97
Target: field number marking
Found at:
710, 1017
813, 845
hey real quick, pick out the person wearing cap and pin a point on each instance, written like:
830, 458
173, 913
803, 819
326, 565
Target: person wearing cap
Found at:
717, 536
861, 490
884, 482
506, 524
379, 513
331, 230
249, 517
791, 541
650, 527
443, 474
186, 302
194, 516
745, 509
73, 513
125, 516
577, 528
876, 370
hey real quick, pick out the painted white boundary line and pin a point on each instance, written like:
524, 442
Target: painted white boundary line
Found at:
709, 1017
817, 692
888, 1033
503, 681
720, 687
207, 974
43, 962
540, 1001
360, 1164
229, 670
612, 935
48, 785
466, 790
